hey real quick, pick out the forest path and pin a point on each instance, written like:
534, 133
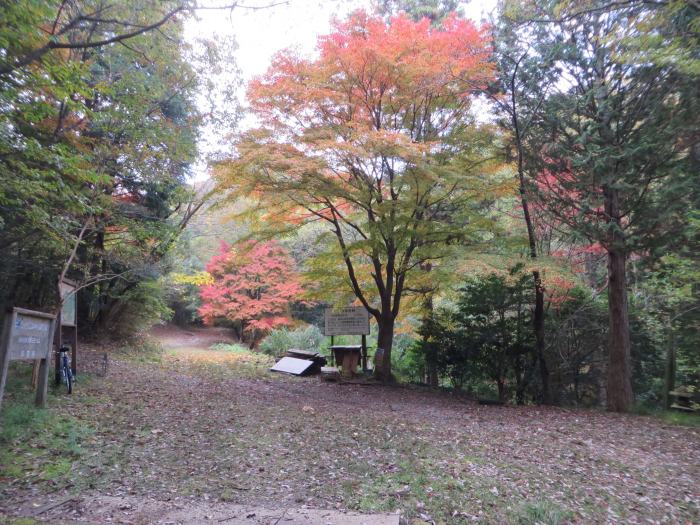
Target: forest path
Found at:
172, 431
197, 338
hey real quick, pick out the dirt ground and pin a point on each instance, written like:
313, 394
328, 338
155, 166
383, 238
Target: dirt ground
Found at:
209, 429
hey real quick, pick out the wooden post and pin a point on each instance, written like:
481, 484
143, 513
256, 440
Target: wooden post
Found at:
332, 353
364, 353
35, 372
42, 385
5, 351
74, 353
58, 343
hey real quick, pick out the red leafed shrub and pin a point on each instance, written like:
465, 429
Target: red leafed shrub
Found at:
254, 284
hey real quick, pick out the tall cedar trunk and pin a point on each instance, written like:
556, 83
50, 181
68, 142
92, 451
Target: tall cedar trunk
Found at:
385, 340
538, 317
619, 391
538, 325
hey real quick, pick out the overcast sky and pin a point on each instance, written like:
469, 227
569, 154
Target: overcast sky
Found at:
296, 23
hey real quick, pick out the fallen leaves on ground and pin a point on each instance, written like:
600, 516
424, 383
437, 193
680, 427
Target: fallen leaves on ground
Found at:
171, 431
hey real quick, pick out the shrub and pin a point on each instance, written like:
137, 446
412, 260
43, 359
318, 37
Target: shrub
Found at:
141, 307
279, 341
233, 348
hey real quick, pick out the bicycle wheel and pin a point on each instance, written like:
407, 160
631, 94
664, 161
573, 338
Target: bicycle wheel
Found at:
69, 380
67, 375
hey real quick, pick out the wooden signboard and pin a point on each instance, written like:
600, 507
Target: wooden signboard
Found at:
353, 320
69, 310
67, 330
27, 336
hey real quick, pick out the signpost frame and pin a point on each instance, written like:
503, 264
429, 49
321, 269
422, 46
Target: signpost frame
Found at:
21, 347
67, 325
351, 320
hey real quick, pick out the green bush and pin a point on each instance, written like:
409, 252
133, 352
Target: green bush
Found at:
234, 348
142, 307
279, 341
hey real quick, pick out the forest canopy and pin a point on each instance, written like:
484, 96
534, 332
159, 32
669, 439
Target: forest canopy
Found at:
514, 201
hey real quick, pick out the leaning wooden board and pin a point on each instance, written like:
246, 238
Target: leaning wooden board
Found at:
296, 352
292, 365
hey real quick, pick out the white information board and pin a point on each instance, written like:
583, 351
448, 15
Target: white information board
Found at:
69, 310
29, 337
353, 320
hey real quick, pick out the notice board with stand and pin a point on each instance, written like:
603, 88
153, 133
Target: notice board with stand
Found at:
27, 336
67, 333
351, 320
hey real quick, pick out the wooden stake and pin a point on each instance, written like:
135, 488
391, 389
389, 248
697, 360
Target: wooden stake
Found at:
43, 383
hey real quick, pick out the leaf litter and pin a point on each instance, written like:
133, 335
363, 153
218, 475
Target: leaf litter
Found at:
175, 433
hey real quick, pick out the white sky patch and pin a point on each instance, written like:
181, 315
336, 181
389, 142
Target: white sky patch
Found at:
263, 32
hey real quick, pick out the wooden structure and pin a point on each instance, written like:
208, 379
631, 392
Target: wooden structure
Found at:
684, 400
348, 357
67, 334
27, 336
353, 320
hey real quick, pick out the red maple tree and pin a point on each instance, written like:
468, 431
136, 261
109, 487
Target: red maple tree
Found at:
254, 284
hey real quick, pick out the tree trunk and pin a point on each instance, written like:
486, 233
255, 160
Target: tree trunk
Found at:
670, 374
519, 381
431, 372
538, 317
619, 391
432, 378
385, 340
538, 325
501, 390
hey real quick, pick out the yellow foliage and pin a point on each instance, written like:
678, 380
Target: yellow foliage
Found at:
197, 278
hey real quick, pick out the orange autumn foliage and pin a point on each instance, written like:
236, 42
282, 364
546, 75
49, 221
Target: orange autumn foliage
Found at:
374, 137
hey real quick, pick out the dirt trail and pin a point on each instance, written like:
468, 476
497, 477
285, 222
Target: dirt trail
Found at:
201, 435
174, 337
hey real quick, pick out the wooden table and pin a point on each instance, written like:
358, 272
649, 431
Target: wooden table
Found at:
348, 357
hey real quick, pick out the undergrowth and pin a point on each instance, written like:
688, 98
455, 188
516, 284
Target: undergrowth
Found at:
235, 348
36, 445
541, 512
143, 350
674, 417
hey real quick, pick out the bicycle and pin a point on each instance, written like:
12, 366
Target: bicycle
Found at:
64, 367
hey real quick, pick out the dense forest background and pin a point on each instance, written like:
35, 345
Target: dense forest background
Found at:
553, 259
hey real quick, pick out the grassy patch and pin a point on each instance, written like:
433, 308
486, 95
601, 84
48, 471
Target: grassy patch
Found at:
681, 418
674, 417
541, 512
220, 361
234, 348
423, 484
36, 445
144, 350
